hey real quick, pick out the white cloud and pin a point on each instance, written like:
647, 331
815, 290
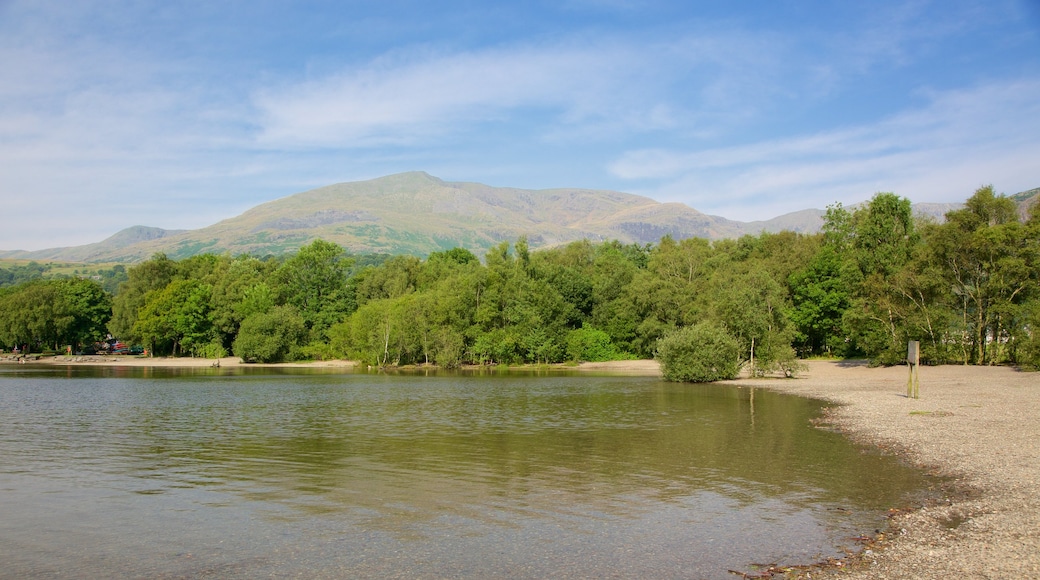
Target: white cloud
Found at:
941, 152
584, 86
410, 99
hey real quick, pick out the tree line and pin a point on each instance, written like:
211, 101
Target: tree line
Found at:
875, 277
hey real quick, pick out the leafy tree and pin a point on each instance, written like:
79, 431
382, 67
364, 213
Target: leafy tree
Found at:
238, 290
884, 235
701, 353
441, 265
29, 315
613, 270
313, 281
883, 243
148, 276
270, 336
753, 308
394, 277
1029, 351
85, 311
54, 313
821, 293
990, 263
176, 318
671, 291
587, 344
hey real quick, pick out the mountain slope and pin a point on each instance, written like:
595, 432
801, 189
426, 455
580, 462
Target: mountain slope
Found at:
99, 251
416, 213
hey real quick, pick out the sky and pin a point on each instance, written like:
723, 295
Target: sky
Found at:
178, 114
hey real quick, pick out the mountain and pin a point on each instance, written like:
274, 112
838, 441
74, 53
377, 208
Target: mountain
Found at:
416, 213
100, 251
1026, 200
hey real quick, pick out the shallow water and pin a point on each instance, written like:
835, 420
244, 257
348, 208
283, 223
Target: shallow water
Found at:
214, 472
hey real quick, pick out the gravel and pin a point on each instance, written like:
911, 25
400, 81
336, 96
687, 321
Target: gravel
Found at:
978, 426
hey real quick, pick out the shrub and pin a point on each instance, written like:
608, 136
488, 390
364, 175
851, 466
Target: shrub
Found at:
699, 354
587, 344
269, 336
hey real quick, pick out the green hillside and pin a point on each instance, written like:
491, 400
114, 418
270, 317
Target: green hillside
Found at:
416, 213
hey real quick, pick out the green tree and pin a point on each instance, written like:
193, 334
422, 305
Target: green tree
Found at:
821, 293
671, 291
29, 315
270, 336
54, 313
883, 242
85, 311
989, 260
753, 307
176, 318
238, 290
148, 276
314, 282
702, 353
586, 344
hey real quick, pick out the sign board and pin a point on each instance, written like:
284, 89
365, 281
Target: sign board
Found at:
913, 352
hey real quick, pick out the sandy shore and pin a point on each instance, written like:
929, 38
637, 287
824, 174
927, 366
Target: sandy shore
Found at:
980, 426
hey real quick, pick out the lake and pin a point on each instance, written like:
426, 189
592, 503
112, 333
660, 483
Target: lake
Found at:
173, 473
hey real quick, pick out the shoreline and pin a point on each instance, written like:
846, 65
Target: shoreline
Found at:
977, 427
626, 367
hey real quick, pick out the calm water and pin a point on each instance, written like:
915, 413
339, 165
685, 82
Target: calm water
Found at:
147, 473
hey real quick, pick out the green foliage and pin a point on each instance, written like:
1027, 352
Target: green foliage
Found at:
702, 353
148, 276
1029, 350
967, 289
212, 350
54, 313
821, 293
84, 311
16, 274
754, 309
270, 336
586, 344
175, 319
313, 281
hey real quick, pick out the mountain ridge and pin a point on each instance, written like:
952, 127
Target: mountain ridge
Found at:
417, 213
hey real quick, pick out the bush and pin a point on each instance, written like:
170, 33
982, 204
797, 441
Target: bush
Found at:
269, 336
210, 350
776, 356
587, 344
699, 354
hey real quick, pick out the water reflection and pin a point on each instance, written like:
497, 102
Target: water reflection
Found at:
452, 462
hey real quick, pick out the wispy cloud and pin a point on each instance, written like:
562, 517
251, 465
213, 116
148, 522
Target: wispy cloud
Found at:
161, 105
939, 152
622, 83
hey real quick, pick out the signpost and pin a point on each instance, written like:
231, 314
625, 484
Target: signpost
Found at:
913, 359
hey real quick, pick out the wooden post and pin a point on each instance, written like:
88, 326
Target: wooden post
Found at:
913, 359
752, 356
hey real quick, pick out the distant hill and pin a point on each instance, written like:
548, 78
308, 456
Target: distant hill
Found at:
416, 213
1026, 200
102, 251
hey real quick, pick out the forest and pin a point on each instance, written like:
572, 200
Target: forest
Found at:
967, 288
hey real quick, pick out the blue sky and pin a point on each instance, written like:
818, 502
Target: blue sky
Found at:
180, 114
